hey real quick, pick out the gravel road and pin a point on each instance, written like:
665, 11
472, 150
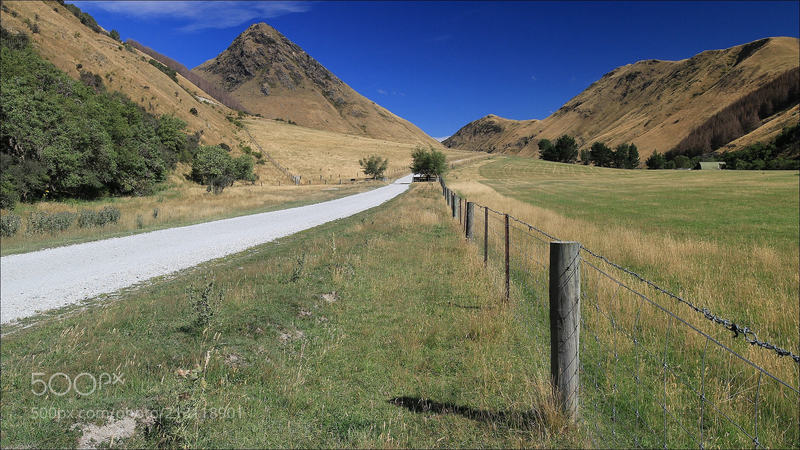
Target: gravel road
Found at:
56, 277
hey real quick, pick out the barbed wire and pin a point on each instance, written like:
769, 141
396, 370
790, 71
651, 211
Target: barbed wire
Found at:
749, 335
746, 332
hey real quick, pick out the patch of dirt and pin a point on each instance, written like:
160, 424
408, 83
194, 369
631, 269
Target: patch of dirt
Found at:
94, 436
330, 298
290, 335
304, 313
235, 360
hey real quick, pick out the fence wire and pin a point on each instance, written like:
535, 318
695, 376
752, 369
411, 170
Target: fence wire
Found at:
648, 377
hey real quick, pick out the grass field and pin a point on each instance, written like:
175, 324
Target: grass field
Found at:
380, 330
734, 251
325, 157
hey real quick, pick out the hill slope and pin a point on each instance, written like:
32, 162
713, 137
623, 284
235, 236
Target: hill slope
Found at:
699, 104
274, 77
73, 47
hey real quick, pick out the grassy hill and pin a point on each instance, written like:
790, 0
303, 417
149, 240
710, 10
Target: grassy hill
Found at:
716, 100
272, 76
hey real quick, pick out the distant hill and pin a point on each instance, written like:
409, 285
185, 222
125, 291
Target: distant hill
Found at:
716, 100
272, 76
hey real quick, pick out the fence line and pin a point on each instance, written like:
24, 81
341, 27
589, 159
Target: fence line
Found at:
645, 377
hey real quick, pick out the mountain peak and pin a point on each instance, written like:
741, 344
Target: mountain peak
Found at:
271, 75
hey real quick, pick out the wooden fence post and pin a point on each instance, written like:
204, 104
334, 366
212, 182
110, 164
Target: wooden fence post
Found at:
565, 322
508, 274
485, 235
453, 203
470, 212
460, 213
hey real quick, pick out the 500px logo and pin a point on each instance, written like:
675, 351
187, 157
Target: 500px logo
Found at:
84, 383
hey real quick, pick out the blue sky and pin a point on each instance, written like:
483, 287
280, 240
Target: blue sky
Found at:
441, 65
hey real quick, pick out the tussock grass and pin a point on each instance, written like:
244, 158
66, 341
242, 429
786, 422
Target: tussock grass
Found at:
749, 277
391, 335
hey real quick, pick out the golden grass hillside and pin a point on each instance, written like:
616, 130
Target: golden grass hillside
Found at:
325, 157
652, 103
67, 43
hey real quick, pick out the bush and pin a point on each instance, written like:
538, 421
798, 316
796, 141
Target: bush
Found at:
430, 163
169, 72
656, 161
62, 139
42, 222
114, 34
193, 111
374, 166
214, 167
9, 224
91, 218
205, 303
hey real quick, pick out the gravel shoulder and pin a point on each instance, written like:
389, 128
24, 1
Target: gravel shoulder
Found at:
57, 277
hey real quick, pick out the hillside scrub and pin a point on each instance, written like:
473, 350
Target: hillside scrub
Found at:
61, 138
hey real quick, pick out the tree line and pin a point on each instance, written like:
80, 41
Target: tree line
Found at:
565, 149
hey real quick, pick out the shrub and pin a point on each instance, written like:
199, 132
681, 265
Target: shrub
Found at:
114, 34
139, 221
205, 301
169, 72
656, 161
9, 224
430, 163
91, 218
374, 166
42, 222
193, 111
214, 167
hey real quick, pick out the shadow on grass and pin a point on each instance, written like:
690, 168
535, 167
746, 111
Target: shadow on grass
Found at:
512, 419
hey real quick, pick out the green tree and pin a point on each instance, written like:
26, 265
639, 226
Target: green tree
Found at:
656, 161
374, 166
566, 149
430, 162
632, 161
601, 154
114, 35
586, 157
682, 162
547, 150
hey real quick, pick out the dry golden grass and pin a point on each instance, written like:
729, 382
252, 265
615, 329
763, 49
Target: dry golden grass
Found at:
751, 283
324, 156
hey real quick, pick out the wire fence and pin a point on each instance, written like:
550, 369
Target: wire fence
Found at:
648, 377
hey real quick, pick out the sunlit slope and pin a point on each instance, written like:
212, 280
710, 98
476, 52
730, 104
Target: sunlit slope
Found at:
657, 104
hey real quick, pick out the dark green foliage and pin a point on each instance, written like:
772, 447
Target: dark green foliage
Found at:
782, 153
91, 218
60, 138
565, 149
9, 224
193, 111
85, 18
601, 155
114, 34
682, 162
205, 302
374, 166
42, 222
586, 157
214, 167
430, 162
235, 121
170, 73
655, 161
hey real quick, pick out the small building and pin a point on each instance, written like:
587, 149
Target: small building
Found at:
712, 165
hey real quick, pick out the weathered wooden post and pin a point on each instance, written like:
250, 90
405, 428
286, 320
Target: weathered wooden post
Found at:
453, 203
508, 274
460, 211
565, 322
470, 212
447, 196
485, 235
